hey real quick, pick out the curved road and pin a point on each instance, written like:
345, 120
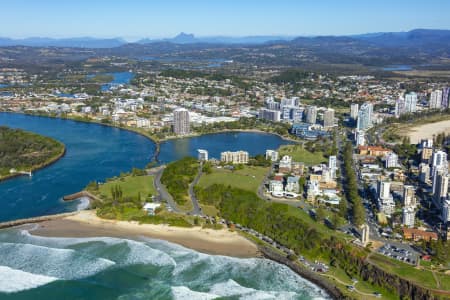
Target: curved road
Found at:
197, 210
163, 194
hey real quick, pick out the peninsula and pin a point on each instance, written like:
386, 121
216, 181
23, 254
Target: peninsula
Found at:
22, 152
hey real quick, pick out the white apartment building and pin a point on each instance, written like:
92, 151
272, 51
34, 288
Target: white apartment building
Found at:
237, 157
391, 160
272, 155
328, 118
181, 125
446, 211
408, 216
202, 155
435, 99
332, 165
409, 196
386, 203
354, 109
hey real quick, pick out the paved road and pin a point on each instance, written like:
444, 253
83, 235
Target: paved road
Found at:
197, 210
262, 186
351, 284
163, 194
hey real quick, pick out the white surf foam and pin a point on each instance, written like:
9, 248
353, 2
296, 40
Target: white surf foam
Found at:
83, 203
184, 293
140, 253
132, 252
88, 256
232, 288
52, 262
12, 280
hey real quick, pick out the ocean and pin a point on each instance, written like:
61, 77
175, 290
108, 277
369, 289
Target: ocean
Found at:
33, 267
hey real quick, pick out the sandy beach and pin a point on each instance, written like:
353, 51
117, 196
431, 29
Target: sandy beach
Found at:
87, 224
427, 131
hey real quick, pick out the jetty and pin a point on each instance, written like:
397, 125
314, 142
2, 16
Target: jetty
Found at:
35, 220
15, 172
25, 173
79, 195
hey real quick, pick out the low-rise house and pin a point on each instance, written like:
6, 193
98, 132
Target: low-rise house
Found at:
418, 235
276, 188
285, 164
316, 177
373, 151
292, 184
298, 168
313, 189
150, 208
323, 185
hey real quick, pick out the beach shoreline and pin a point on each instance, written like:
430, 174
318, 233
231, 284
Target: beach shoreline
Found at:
86, 224
427, 131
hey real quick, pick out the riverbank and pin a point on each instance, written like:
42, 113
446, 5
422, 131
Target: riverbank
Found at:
38, 167
210, 241
158, 141
228, 131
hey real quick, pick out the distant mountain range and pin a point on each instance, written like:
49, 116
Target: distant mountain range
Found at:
182, 38
413, 38
418, 48
185, 38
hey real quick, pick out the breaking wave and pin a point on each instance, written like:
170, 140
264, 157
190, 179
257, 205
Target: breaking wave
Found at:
138, 269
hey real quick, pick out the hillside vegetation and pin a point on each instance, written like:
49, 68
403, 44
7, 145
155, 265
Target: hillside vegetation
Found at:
177, 176
292, 228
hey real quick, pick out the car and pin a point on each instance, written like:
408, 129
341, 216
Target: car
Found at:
376, 294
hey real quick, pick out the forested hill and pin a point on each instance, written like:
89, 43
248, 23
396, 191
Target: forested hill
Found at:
25, 151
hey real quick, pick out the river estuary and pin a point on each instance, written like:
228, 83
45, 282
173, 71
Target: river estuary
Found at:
112, 268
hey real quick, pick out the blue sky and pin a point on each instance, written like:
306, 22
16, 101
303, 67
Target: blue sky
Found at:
134, 19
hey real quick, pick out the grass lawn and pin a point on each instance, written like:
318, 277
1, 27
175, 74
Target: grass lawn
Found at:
424, 263
187, 206
445, 281
421, 277
362, 286
249, 178
209, 210
131, 186
299, 154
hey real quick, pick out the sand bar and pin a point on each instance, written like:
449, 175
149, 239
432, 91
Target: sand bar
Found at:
87, 224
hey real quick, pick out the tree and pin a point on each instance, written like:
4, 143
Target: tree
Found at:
335, 221
343, 207
320, 214
207, 168
301, 184
358, 213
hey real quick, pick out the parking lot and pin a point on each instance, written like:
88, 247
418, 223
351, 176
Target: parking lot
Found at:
399, 253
